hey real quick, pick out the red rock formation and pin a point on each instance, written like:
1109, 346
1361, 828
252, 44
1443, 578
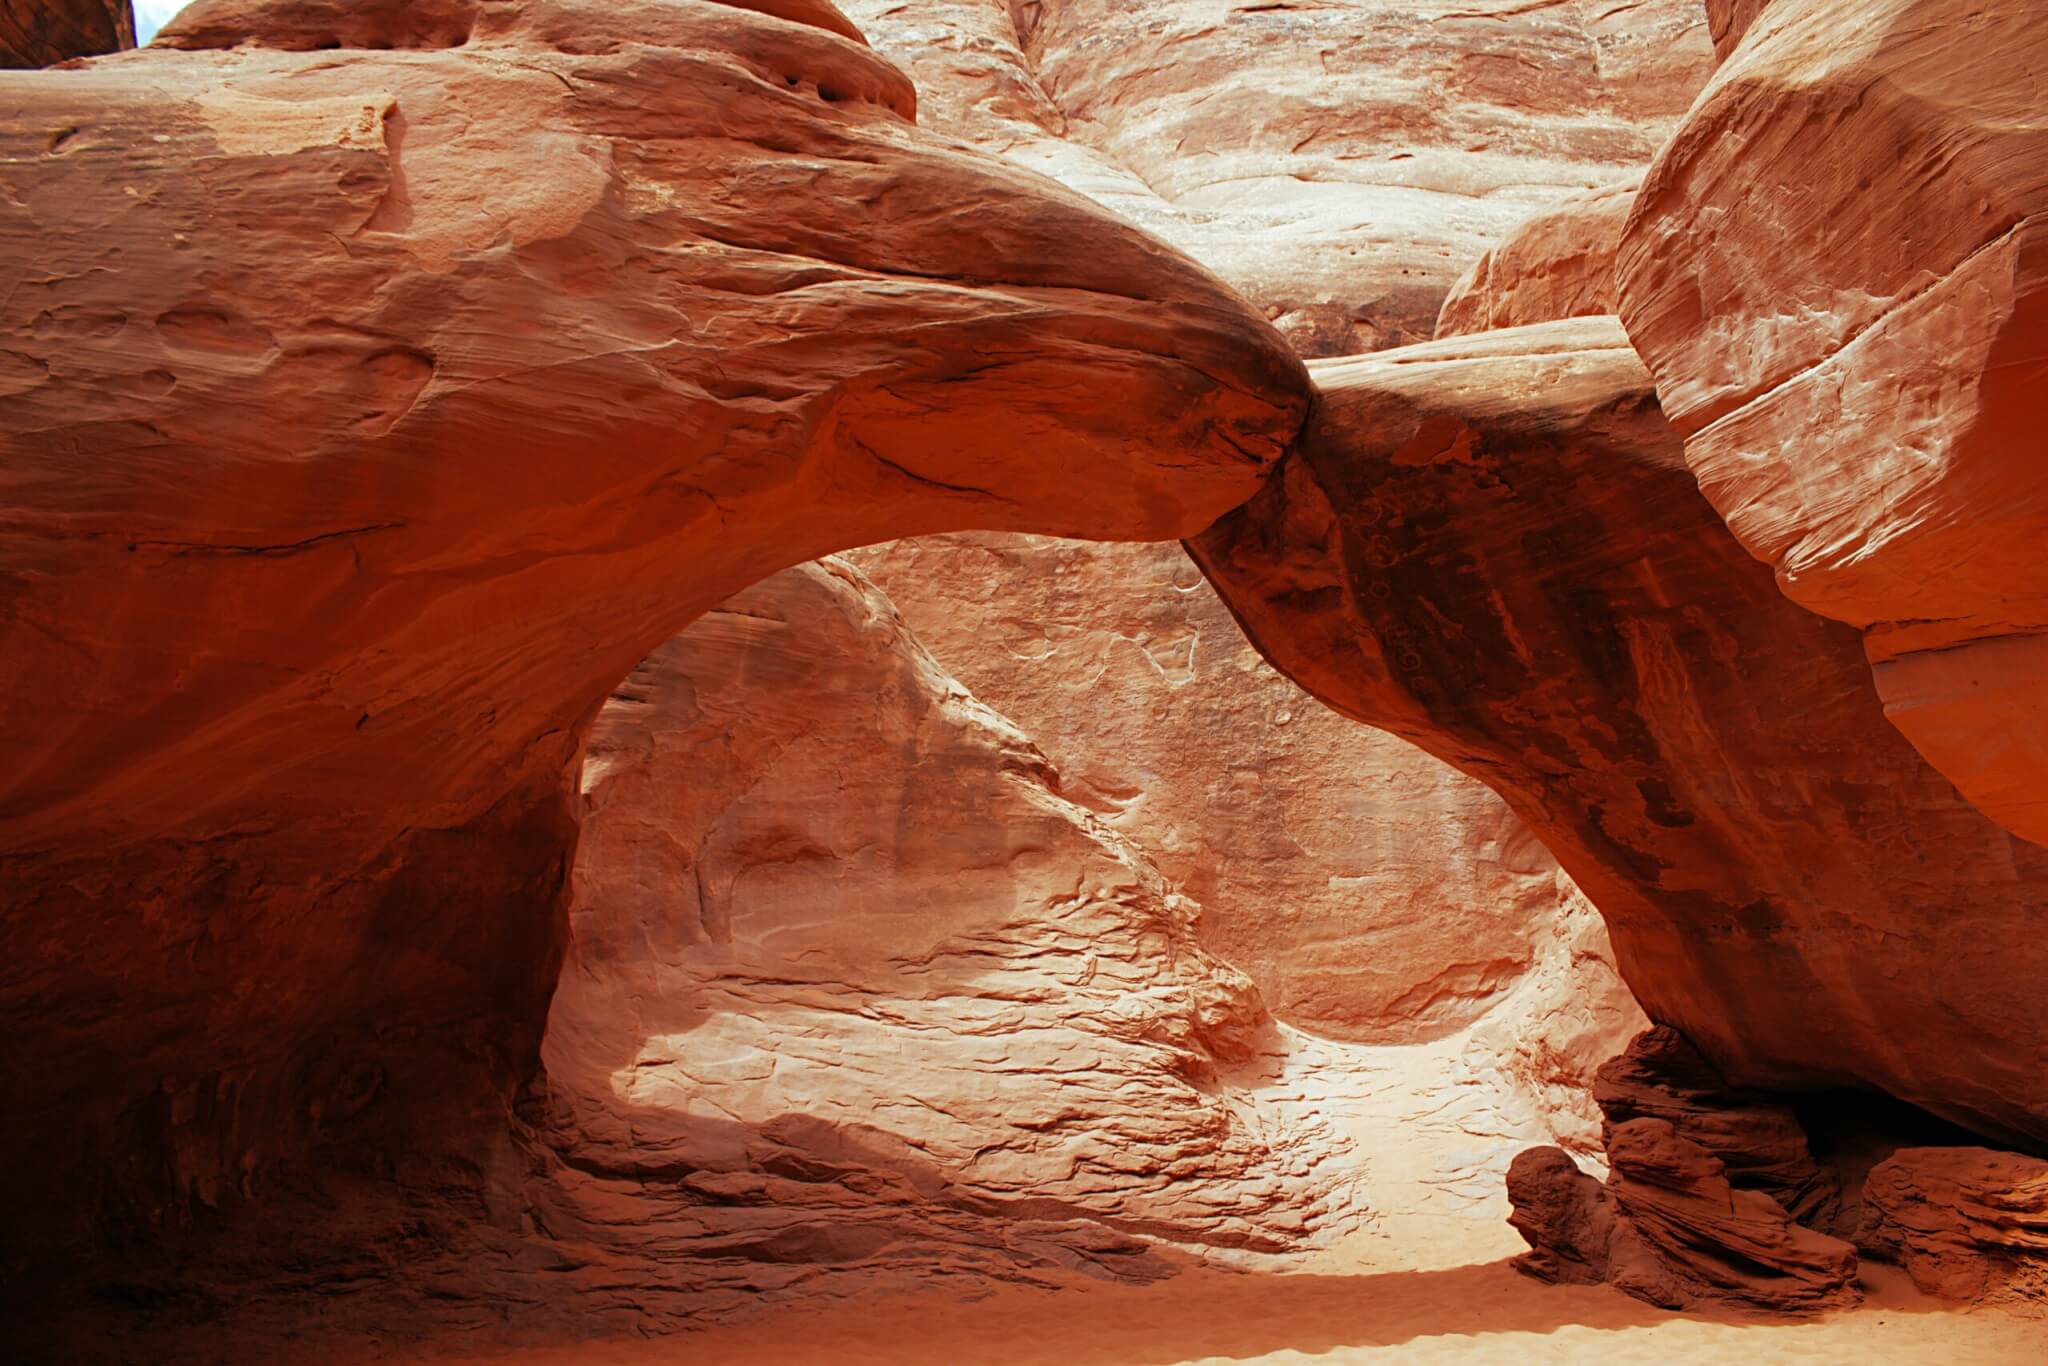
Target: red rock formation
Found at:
1729, 20
1838, 274
1492, 546
1684, 1236
368, 416
1670, 1229
1557, 264
1339, 163
1966, 1223
1373, 893
1760, 1142
844, 962
1563, 1214
45, 32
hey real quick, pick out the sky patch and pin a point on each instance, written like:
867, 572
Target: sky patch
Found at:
151, 15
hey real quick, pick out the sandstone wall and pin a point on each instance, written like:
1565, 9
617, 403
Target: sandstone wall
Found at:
844, 959
44, 32
1373, 892
1838, 273
1341, 164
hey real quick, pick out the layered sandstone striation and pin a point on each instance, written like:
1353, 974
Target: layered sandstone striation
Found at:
1838, 273
1556, 264
1668, 1227
1372, 892
1966, 1223
1729, 20
381, 384
1340, 163
1760, 1141
853, 992
44, 32
1713, 1200
1493, 546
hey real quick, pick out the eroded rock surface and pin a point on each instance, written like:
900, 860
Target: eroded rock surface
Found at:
1556, 264
1493, 546
1760, 1142
1966, 1223
1373, 893
1838, 274
369, 411
1340, 163
1670, 1229
44, 32
1568, 1015
1685, 1237
849, 978
1729, 20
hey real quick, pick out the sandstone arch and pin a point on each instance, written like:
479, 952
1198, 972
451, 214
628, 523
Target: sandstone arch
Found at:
501, 359
1492, 546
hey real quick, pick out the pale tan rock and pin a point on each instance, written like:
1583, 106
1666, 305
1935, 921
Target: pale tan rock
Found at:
1373, 892
1838, 274
1557, 264
1571, 1011
1340, 163
832, 919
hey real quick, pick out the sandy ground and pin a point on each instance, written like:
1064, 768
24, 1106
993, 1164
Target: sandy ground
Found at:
1480, 1314
1427, 1279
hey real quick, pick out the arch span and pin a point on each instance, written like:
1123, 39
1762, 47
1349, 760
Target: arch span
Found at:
372, 407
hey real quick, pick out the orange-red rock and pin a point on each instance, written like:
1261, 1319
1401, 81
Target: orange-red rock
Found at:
1492, 545
1669, 1228
1838, 273
1340, 163
1728, 20
1372, 892
1966, 1223
45, 32
1713, 1199
369, 414
1557, 264
1759, 1141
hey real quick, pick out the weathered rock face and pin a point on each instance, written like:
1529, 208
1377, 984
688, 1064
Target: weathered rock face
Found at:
1340, 163
45, 32
1669, 1228
1838, 274
1493, 547
1759, 1142
499, 361
1563, 1214
1728, 20
1569, 1014
1966, 1223
1713, 1197
1684, 1236
1372, 892
848, 975
1557, 264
